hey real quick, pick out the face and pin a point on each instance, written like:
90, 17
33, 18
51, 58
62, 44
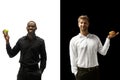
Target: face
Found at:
31, 27
83, 24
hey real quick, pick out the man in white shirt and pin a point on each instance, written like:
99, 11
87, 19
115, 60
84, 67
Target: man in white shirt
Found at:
83, 51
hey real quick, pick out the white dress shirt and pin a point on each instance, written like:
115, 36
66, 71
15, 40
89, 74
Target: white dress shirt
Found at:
83, 51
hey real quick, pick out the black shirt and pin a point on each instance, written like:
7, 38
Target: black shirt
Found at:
31, 51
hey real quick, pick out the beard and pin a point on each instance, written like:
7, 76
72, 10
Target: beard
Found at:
31, 35
84, 29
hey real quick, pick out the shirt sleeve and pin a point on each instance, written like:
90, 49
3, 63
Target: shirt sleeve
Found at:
43, 57
12, 51
104, 48
73, 57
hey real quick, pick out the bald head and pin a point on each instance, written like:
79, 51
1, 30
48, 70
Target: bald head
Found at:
31, 23
31, 26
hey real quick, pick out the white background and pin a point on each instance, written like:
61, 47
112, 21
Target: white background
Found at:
14, 15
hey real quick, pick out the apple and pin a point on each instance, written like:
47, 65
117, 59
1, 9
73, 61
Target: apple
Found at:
5, 32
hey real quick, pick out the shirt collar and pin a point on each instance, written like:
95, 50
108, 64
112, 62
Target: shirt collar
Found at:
81, 35
34, 37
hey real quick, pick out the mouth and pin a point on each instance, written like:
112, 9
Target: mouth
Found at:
30, 30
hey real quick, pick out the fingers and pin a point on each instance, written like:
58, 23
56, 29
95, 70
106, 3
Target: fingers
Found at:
112, 34
117, 33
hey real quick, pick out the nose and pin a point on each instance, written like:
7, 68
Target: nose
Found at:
82, 24
30, 27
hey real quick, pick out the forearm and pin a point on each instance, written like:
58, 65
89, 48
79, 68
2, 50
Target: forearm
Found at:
105, 47
12, 52
42, 65
9, 50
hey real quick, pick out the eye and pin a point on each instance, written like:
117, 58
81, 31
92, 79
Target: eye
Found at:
31, 26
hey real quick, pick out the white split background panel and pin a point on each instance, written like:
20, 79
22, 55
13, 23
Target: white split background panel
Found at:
14, 15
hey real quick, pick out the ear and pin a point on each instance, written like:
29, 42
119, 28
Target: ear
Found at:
78, 23
35, 28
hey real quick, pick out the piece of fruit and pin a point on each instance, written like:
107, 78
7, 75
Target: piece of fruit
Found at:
112, 33
5, 32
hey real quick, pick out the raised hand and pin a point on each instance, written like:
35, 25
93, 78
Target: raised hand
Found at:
6, 36
112, 34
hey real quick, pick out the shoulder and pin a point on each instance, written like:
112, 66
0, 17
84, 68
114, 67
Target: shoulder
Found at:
74, 38
39, 39
22, 38
94, 36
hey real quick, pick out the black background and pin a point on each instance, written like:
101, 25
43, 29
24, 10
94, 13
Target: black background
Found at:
104, 16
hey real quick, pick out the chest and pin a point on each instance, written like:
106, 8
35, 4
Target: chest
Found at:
26, 44
87, 42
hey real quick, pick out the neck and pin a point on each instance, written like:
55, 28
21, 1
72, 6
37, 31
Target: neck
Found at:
85, 33
31, 35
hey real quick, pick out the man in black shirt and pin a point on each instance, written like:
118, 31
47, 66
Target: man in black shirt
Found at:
32, 51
